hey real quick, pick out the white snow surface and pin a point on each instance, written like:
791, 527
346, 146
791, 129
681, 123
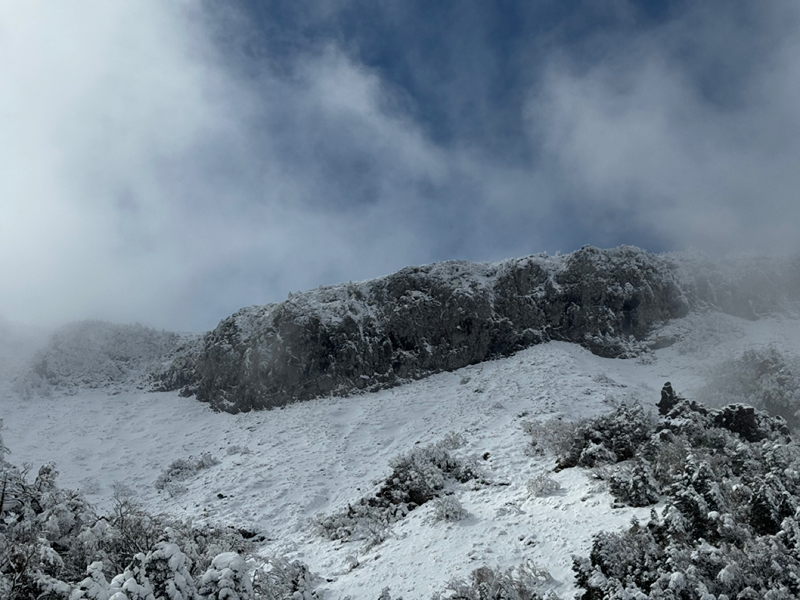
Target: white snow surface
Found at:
280, 468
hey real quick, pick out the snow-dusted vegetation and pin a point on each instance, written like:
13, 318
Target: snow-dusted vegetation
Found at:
182, 469
728, 482
417, 477
50, 538
766, 378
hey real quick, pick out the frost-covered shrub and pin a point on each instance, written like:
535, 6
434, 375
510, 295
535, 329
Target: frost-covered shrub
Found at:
543, 485
453, 440
526, 582
39, 534
420, 474
226, 579
127, 530
609, 438
635, 486
278, 579
94, 587
48, 537
729, 528
366, 520
168, 570
182, 469
417, 477
448, 508
554, 437
132, 583
56, 546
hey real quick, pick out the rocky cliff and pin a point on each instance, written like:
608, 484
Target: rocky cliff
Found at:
423, 320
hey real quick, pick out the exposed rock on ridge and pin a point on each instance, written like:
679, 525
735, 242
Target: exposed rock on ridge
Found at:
422, 320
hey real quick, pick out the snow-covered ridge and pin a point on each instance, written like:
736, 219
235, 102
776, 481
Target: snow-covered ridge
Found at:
374, 334
422, 320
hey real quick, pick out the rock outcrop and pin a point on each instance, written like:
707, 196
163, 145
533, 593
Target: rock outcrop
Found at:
422, 320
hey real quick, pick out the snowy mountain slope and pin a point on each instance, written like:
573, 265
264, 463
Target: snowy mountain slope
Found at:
280, 468
272, 473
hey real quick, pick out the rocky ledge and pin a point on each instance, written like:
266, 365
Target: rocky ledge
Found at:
422, 320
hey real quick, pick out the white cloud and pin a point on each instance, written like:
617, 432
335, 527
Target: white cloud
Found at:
635, 135
146, 176
143, 180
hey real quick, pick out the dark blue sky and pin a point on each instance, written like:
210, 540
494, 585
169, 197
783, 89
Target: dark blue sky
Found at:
181, 162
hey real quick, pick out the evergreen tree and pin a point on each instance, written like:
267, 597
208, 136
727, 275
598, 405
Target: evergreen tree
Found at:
226, 579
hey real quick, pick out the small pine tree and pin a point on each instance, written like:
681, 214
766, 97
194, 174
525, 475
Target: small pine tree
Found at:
168, 572
133, 583
94, 587
226, 579
635, 487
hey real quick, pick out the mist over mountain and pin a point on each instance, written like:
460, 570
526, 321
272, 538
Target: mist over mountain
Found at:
374, 334
478, 393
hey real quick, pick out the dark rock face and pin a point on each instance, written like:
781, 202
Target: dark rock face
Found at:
668, 399
423, 320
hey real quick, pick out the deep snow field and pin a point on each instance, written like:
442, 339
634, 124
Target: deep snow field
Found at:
280, 468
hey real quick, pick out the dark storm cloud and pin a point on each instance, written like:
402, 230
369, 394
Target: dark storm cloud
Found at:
169, 163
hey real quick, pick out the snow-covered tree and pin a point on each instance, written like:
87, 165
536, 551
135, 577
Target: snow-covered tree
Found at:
133, 583
168, 570
94, 587
729, 528
226, 579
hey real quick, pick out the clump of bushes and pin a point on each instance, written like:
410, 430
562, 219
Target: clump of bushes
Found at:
417, 477
182, 469
730, 527
54, 545
635, 485
278, 579
448, 508
543, 485
608, 439
554, 436
526, 582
